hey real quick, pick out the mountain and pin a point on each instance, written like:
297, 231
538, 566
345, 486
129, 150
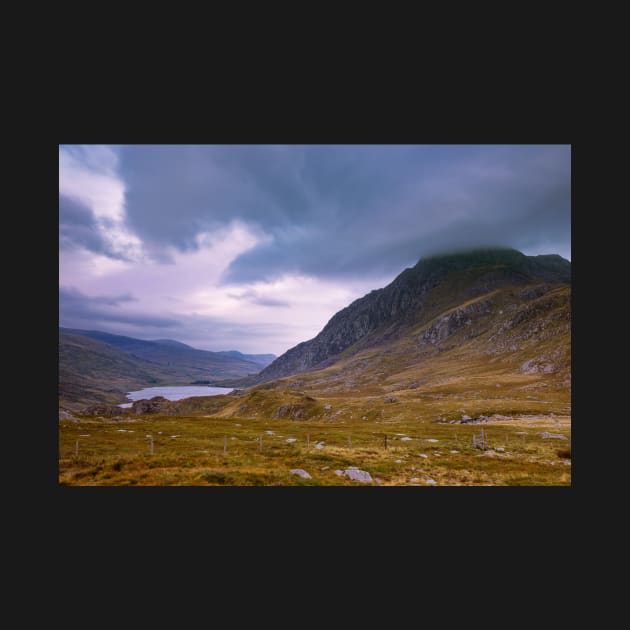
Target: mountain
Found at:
96, 366
261, 359
476, 304
172, 342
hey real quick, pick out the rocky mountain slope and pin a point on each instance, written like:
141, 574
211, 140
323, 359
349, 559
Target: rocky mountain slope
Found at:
510, 299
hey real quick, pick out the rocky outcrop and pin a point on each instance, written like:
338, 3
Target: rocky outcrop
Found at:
450, 323
105, 411
157, 404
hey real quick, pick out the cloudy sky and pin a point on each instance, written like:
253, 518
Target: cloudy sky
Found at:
254, 248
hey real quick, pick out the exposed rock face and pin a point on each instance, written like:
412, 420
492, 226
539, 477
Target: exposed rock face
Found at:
417, 296
453, 321
537, 366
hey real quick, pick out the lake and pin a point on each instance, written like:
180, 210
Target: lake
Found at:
176, 392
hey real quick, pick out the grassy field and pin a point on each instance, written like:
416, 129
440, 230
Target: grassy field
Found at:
227, 451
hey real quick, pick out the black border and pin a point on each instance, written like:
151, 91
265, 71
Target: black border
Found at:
455, 516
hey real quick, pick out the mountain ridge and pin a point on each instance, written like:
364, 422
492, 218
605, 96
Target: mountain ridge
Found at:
414, 296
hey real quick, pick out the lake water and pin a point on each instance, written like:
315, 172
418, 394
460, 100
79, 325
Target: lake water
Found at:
176, 392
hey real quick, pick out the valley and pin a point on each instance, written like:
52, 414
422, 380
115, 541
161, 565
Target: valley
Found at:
402, 384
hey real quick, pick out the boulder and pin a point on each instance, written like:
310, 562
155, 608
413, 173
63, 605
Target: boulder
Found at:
300, 472
358, 475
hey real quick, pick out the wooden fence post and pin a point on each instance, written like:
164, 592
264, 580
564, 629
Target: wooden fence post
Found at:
308, 441
225, 444
385, 441
260, 443
76, 448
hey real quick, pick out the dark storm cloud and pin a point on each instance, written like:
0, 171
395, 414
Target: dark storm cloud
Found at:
76, 309
346, 210
77, 226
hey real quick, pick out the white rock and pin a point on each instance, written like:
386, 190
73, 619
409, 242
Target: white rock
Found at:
325, 467
423, 455
174, 436
339, 473
414, 479
358, 475
399, 434
398, 461
269, 432
122, 430
500, 449
319, 446
301, 473
291, 440
432, 440
431, 482
85, 435
237, 425
454, 451
406, 439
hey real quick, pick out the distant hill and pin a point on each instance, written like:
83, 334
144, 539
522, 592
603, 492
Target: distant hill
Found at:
261, 359
96, 366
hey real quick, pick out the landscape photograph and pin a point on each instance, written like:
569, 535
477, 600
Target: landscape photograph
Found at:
356, 315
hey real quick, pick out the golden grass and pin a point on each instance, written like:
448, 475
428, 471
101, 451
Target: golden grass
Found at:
109, 456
